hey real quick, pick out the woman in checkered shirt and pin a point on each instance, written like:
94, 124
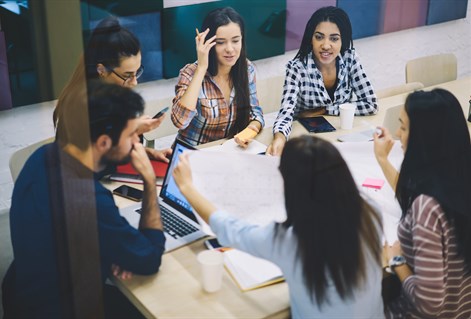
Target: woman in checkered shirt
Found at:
216, 97
325, 73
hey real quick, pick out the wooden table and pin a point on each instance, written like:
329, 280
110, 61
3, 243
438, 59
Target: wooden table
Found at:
175, 292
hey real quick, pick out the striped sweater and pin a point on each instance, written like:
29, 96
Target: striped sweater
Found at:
439, 287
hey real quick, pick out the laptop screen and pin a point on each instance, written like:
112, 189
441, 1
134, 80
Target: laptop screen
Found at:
170, 192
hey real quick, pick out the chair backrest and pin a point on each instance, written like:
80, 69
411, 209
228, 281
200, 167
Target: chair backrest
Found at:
269, 92
399, 89
433, 69
19, 158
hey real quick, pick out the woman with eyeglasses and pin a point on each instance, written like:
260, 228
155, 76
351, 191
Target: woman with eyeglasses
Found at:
216, 96
113, 54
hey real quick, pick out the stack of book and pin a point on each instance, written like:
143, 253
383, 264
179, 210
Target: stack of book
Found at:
127, 173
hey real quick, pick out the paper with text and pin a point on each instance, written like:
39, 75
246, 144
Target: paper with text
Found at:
230, 146
245, 185
362, 163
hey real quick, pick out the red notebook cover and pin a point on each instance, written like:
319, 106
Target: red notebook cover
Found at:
160, 168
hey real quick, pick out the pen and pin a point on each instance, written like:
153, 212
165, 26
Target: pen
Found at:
379, 131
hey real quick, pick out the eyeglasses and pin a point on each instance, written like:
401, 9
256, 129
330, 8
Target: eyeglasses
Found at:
129, 77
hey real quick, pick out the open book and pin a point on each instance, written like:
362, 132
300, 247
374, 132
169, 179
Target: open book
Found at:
250, 272
126, 173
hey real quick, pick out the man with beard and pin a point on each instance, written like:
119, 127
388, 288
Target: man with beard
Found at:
67, 234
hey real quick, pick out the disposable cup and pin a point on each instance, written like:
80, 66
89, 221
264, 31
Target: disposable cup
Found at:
212, 267
347, 112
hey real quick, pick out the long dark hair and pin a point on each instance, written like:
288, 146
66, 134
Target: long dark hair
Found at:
109, 43
330, 14
335, 228
437, 161
239, 72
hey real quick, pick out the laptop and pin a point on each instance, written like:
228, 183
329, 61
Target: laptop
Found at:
180, 223
391, 122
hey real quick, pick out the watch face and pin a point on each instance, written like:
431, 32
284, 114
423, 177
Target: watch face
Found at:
399, 260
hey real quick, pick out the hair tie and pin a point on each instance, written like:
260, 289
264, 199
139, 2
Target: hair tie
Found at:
108, 29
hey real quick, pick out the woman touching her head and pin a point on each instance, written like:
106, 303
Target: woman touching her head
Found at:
432, 258
329, 247
216, 96
325, 73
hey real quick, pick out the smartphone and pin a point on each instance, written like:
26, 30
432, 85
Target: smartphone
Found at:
212, 243
129, 192
162, 111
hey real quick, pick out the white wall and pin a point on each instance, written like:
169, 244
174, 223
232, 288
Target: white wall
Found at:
384, 56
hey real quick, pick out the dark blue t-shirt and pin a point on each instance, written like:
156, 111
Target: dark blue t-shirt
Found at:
35, 277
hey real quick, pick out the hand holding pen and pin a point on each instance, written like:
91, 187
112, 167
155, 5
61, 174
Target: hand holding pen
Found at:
383, 143
203, 47
378, 131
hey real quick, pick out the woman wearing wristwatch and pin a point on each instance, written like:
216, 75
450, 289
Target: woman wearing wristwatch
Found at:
433, 256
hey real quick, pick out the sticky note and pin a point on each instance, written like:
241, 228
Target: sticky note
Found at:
373, 183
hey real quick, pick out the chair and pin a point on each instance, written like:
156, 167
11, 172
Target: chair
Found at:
399, 89
19, 158
433, 69
269, 92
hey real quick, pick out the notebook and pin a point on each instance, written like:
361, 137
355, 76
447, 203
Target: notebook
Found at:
391, 122
250, 272
180, 223
127, 173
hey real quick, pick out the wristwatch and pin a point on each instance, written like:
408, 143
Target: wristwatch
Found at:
394, 262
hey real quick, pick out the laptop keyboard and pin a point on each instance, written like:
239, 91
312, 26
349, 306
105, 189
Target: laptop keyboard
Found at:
173, 224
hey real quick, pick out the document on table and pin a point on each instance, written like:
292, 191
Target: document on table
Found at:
247, 186
230, 146
362, 163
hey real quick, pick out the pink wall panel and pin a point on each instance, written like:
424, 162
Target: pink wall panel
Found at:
297, 15
404, 14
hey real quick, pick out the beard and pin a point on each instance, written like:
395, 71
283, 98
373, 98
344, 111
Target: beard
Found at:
112, 159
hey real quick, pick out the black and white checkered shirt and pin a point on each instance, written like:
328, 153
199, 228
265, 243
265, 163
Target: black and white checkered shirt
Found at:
304, 90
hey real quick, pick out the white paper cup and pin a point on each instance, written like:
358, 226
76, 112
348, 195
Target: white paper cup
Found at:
347, 112
212, 267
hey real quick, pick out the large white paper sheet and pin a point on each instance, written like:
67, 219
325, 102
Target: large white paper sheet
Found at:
251, 187
230, 146
362, 163
245, 185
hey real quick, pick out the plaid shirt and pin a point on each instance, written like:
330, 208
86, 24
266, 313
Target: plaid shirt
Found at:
304, 90
213, 117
